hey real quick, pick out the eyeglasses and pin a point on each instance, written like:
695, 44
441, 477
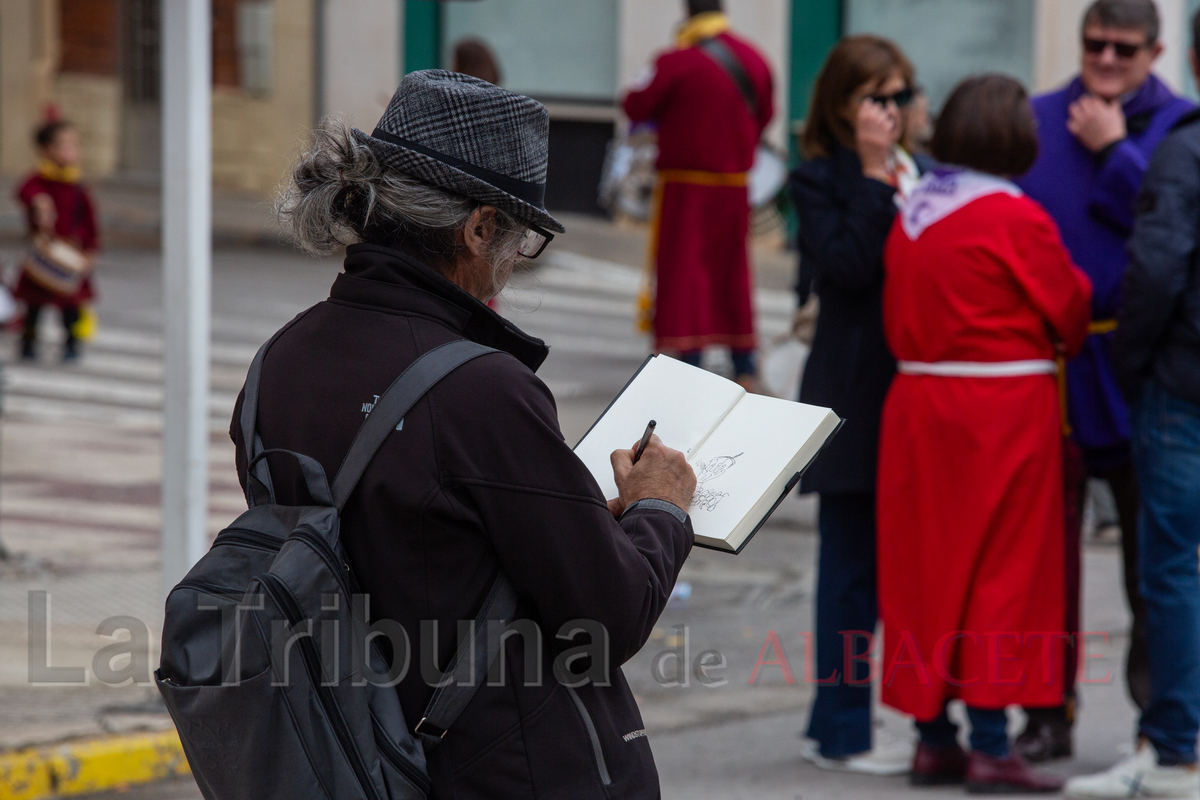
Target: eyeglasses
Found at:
1125, 50
900, 98
534, 242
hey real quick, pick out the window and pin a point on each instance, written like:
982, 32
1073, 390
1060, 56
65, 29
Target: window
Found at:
255, 46
947, 40
142, 67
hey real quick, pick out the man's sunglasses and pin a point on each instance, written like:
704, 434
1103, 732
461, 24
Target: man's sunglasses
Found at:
900, 98
534, 242
1123, 49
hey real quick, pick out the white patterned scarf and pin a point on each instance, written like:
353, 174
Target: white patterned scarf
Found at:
943, 191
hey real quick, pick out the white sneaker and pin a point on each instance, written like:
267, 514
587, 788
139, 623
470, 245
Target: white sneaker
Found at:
1138, 776
892, 758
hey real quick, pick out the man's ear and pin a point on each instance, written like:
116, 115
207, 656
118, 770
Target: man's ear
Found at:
479, 230
1156, 51
1195, 64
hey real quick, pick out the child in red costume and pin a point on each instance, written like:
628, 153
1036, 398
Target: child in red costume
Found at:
56, 204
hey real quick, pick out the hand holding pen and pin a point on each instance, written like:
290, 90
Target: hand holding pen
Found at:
660, 473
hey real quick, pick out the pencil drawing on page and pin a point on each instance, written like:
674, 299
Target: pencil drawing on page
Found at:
706, 497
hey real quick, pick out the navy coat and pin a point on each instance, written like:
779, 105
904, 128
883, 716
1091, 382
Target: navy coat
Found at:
844, 221
1158, 333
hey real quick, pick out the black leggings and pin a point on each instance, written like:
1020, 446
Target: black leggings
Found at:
70, 315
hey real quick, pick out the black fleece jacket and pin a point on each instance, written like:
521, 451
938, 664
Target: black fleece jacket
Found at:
477, 479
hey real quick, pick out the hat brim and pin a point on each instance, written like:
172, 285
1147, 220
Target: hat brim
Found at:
434, 172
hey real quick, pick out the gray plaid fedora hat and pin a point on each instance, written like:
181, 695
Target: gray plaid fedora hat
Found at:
470, 137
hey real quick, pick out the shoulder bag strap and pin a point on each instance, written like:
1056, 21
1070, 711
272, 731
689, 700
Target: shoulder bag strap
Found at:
469, 667
727, 60
393, 404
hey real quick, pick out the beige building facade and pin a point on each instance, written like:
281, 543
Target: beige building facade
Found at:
96, 63
279, 65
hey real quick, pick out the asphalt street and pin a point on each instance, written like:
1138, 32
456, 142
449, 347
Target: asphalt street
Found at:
79, 499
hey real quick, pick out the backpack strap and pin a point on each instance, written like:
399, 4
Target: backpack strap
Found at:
257, 471
314, 479
469, 667
477, 650
393, 404
249, 417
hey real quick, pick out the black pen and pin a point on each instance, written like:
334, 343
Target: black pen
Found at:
641, 448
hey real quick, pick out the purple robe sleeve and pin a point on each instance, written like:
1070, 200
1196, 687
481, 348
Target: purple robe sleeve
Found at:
1117, 185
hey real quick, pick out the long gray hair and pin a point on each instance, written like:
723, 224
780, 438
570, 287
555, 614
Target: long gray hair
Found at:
339, 194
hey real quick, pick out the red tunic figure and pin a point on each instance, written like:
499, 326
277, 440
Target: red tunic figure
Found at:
979, 292
707, 136
55, 202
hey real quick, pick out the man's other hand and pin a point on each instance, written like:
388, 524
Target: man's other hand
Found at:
1096, 123
660, 474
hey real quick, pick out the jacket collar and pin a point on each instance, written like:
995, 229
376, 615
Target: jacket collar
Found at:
385, 278
848, 166
1146, 99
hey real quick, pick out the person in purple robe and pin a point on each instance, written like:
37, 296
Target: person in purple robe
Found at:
1096, 136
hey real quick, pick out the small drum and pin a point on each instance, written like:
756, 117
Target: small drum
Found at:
56, 265
767, 177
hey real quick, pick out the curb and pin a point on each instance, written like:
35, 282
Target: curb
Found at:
91, 765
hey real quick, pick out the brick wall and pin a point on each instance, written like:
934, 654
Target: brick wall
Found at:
89, 37
225, 56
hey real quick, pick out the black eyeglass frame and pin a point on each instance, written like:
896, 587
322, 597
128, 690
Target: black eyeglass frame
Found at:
1125, 50
900, 98
547, 237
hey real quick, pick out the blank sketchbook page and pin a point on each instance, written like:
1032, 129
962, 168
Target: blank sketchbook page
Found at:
686, 402
748, 460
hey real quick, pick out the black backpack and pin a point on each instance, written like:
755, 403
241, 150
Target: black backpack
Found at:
267, 668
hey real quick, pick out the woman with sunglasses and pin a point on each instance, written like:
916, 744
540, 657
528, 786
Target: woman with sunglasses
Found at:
845, 195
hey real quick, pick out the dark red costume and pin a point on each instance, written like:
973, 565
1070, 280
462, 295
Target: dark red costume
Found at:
707, 136
75, 222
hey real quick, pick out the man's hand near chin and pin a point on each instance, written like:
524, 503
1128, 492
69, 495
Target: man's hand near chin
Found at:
1096, 123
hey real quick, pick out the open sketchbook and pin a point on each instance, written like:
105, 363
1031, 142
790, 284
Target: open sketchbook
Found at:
747, 450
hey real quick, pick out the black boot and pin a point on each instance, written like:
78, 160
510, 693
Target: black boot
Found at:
1047, 734
28, 350
70, 352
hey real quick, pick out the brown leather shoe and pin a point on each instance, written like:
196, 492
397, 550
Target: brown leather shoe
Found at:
938, 766
990, 775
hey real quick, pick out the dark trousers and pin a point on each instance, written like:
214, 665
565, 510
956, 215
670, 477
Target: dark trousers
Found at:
743, 361
840, 721
1166, 449
1123, 482
70, 315
989, 731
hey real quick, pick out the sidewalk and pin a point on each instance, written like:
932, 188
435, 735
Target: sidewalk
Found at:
80, 505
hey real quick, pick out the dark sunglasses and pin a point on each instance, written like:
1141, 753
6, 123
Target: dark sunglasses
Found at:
1123, 49
900, 98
